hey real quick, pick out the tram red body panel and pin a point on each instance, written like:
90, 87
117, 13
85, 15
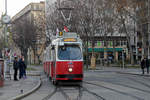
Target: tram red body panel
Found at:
62, 72
62, 67
52, 69
48, 68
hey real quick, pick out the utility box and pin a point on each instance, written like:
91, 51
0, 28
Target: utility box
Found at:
1, 72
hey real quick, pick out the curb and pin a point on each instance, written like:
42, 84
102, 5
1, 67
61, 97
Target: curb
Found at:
30, 74
133, 74
19, 97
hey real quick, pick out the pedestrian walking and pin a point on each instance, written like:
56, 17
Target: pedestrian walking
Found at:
145, 64
15, 67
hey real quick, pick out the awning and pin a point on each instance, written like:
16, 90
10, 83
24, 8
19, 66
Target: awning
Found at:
104, 49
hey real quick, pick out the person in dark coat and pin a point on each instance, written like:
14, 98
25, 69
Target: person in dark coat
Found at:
145, 64
20, 68
15, 67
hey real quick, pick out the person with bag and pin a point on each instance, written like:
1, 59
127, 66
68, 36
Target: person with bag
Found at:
15, 67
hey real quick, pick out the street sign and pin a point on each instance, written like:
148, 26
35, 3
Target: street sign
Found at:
6, 19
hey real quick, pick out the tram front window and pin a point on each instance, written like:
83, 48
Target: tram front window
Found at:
69, 52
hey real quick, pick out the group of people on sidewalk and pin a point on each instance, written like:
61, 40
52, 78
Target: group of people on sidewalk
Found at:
20, 65
145, 64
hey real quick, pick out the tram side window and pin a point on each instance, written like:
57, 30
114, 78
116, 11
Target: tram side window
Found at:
69, 52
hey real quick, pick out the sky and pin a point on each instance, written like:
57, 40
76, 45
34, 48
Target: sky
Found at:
14, 6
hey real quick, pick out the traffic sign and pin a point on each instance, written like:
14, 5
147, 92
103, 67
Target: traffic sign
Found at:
6, 19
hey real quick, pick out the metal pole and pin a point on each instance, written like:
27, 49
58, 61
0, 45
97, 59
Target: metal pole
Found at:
123, 59
148, 24
7, 67
6, 7
5, 34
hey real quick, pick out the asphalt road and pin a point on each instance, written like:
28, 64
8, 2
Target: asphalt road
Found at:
97, 85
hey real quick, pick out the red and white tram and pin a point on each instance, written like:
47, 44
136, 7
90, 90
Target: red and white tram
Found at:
64, 59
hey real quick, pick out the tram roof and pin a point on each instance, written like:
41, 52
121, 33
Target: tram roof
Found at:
68, 37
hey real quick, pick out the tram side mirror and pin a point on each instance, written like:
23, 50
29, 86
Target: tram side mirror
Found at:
52, 47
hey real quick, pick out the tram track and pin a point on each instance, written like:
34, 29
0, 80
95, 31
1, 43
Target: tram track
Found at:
140, 82
50, 95
66, 95
82, 89
137, 81
115, 90
93, 93
146, 91
62, 91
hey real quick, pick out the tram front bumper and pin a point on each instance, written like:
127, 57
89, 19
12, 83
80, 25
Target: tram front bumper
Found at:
69, 77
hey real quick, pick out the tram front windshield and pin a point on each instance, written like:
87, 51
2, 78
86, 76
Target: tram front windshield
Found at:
69, 52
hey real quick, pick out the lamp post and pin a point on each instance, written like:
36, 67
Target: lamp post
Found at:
6, 21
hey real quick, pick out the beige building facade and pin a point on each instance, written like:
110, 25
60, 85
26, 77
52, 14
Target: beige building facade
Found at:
35, 12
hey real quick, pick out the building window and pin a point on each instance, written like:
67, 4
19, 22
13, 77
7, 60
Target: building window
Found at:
37, 7
110, 43
95, 43
117, 43
122, 43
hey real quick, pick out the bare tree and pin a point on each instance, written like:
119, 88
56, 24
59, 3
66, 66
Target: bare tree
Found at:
38, 44
23, 35
126, 16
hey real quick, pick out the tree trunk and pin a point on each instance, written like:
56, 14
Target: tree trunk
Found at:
38, 59
114, 52
24, 53
128, 39
87, 56
34, 56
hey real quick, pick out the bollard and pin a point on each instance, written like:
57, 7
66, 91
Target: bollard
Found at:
1, 72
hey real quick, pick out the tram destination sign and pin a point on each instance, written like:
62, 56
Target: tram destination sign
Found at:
70, 40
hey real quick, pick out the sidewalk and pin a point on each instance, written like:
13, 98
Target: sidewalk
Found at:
133, 71
13, 90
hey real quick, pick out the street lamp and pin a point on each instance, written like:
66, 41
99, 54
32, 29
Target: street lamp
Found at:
6, 21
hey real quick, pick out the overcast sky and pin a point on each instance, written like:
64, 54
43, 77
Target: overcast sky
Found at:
14, 6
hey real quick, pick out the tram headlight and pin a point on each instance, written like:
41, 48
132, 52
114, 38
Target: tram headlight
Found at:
70, 69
